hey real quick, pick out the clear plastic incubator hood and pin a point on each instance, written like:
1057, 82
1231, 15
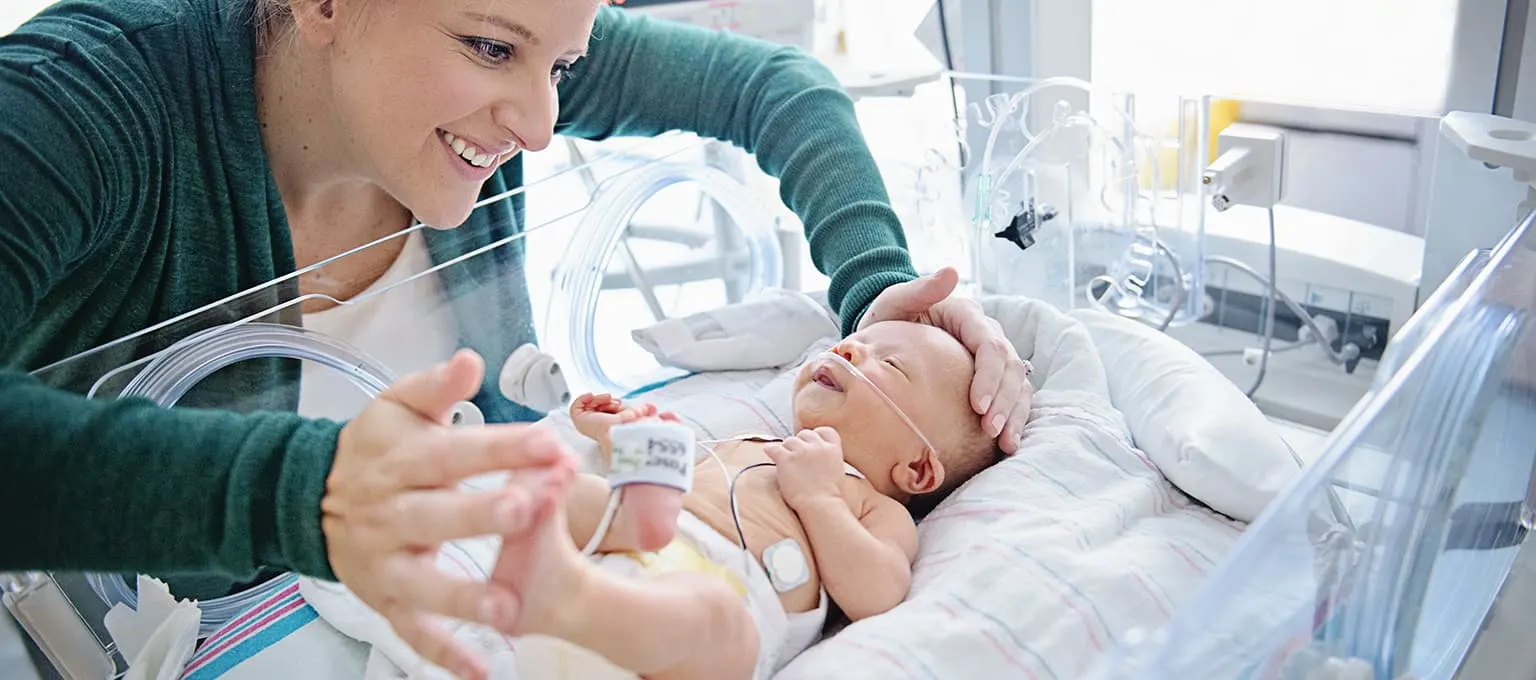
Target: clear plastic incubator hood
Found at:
1422, 573
546, 282
1053, 188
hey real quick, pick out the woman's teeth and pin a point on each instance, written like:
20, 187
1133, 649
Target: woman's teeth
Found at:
471, 154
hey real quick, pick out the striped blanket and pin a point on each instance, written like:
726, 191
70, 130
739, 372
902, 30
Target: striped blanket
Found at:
1040, 565
1035, 568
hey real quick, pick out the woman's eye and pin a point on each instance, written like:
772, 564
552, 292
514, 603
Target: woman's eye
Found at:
559, 73
490, 50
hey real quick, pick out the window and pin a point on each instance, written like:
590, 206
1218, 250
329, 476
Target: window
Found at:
1384, 55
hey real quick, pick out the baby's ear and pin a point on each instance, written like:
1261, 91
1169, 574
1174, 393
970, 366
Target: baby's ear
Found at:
921, 476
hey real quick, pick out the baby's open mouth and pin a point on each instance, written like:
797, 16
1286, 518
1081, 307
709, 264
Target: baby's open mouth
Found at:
823, 377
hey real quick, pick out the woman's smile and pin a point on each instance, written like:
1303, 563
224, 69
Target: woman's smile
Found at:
473, 161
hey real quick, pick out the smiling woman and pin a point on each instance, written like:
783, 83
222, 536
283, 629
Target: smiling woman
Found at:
161, 155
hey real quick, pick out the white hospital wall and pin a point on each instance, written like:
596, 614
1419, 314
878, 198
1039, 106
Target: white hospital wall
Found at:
14, 13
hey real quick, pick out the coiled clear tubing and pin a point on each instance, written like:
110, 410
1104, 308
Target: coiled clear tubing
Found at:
171, 374
169, 377
1124, 288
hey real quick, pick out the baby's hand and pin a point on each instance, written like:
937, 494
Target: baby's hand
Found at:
595, 414
809, 466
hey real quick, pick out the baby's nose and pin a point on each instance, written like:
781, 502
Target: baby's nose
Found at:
849, 350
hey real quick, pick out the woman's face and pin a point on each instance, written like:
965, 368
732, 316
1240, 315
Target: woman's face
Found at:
434, 95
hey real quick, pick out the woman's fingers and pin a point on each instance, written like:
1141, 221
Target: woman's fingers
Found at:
425, 519
446, 457
417, 580
911, 300
1003, 420
432, 393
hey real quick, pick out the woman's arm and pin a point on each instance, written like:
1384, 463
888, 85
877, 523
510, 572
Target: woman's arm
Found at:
643, 77
121, 485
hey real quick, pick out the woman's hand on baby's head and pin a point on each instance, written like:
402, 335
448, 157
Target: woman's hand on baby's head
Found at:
809, 466
1000, 389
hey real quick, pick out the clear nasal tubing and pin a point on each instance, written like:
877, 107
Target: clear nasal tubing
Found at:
848, 365
615, 497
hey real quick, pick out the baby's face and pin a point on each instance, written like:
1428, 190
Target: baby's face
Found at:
925, 370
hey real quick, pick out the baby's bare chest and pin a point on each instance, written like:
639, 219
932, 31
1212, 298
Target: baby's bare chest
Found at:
761, 517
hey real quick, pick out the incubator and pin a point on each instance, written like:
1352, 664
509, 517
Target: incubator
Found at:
1382, 560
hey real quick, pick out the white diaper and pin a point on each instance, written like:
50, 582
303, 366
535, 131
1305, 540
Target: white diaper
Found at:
781, 636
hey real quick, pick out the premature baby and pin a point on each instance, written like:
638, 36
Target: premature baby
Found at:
841, 490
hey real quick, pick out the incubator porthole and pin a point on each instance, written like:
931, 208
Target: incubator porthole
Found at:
626, 273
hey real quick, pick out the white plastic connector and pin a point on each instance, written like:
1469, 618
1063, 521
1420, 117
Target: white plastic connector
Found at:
1325, 324
1249, 167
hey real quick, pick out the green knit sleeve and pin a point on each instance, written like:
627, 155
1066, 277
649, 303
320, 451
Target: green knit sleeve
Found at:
643, 77
121, 485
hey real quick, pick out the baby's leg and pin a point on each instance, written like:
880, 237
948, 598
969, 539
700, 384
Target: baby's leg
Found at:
672, 627
646, 520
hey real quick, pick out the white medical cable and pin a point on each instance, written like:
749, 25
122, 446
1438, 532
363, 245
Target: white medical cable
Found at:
614, 498
1269, 304
1278, 350
1348, 352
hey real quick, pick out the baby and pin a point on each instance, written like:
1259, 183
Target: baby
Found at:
829, 511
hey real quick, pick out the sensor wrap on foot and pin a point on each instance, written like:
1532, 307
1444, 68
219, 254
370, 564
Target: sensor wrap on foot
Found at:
652, 452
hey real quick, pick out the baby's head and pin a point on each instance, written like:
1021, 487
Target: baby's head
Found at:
927, 373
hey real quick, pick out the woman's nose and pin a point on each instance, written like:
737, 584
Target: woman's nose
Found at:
530, 115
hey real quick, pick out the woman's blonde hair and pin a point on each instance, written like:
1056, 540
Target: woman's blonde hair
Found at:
269, 17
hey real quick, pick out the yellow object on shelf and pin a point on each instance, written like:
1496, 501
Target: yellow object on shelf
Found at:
1223, 113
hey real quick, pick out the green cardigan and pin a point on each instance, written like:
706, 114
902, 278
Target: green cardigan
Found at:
134, 187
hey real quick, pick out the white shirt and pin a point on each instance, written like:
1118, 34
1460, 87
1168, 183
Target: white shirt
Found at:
408, 328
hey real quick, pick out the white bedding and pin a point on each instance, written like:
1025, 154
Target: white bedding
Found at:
1036, 567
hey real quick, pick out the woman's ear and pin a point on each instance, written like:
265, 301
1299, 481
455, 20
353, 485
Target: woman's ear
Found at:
315, 20
921, 476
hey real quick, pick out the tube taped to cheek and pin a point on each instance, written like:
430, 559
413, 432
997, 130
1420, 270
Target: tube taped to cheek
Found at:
652, 452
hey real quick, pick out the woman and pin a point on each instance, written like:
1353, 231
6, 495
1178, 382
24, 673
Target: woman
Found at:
158, 155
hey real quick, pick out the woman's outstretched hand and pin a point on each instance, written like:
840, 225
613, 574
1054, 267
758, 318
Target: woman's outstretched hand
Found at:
392, 499
1000, 391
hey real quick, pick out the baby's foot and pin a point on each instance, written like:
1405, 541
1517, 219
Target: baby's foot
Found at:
543, 569
648, 517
